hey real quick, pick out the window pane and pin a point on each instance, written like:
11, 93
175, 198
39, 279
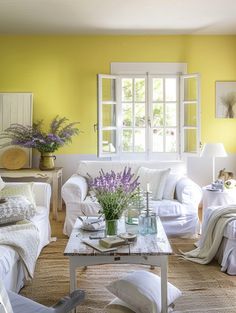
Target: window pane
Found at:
127, 140
127, 114
127, 89
190, 89
190, 114
190, 140
108, 115
171, 114
139, 113
108, 141
139, 89
170, 140
139, 140
108, 89
157, 140
157, 93
170, 89
158, 114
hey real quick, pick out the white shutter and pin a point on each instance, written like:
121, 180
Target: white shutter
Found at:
108, 140
16, 108
190, 114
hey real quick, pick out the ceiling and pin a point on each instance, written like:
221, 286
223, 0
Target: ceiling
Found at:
118, 17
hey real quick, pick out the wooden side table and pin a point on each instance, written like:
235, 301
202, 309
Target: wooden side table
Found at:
54, 177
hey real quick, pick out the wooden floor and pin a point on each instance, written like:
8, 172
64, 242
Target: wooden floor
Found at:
205, 288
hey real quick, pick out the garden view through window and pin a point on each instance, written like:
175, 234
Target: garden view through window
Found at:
149, 124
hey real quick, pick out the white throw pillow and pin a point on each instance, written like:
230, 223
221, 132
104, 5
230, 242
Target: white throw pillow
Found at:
156, 178
141, 290
169, 189
2, 184
24, 189
118, 306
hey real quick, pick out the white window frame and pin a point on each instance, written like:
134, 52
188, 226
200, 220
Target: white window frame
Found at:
151, 70
184, 102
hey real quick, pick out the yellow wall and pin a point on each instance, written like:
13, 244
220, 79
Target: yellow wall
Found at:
61, 73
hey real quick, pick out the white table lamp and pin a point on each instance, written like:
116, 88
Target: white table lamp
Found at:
213, 150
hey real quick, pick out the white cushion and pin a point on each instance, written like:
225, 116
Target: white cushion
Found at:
2, 184
19, 190
93, 167
141, 290
169, 190
118, 306
168, 208
156, 178
15, 209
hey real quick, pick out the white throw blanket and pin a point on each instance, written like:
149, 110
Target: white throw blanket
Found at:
214, 232
24, 238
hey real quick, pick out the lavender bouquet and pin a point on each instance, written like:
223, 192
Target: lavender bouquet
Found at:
60, 133
114, 191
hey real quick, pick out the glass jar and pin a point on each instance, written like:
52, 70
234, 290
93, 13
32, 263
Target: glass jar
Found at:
147, 223
132, 215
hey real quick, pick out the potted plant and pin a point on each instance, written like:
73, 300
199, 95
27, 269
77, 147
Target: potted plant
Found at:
60, 133
114, 192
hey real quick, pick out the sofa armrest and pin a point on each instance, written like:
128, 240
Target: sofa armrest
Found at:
75, 189
188, 192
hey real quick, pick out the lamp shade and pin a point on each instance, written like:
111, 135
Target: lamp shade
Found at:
213, 150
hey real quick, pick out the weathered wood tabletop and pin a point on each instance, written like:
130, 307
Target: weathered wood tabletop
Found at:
156, 244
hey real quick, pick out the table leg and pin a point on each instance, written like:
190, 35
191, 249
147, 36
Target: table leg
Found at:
59, 191
73, 282
164, 281
55, 196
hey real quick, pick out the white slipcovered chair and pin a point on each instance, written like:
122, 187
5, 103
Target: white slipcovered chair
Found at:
11, 302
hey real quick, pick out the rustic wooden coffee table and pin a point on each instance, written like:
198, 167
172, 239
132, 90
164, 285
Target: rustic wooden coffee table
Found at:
148, 250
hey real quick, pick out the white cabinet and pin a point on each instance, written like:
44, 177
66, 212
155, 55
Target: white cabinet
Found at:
16, 108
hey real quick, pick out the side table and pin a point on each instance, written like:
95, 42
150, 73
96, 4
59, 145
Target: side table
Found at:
217, 197
54, 177
212, 198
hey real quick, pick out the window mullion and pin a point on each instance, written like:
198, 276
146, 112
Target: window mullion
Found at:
164, 115
149, 118
133, 113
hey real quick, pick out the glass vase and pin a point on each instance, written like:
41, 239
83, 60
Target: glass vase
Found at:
111, 228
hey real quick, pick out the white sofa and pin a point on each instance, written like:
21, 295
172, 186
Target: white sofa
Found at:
11, 270
179, 215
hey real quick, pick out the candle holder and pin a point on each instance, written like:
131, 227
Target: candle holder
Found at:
147, 219
134, 209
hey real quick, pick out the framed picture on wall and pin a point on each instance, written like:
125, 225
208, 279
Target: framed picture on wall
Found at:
226, 99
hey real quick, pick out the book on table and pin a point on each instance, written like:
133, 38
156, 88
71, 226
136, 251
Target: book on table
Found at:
96, 245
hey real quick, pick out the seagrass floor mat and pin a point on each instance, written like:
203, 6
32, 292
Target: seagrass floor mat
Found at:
205, 288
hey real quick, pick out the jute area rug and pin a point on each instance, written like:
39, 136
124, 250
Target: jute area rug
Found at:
205, 288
